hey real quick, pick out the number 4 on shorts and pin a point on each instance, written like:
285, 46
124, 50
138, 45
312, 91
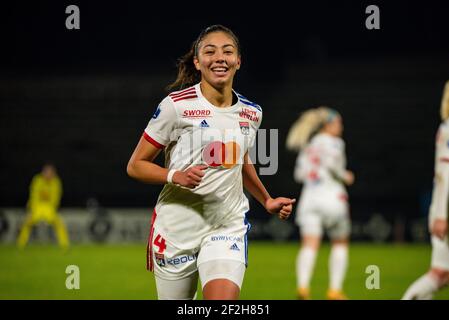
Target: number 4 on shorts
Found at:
160, 242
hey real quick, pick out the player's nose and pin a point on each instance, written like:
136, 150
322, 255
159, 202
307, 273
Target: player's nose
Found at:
219, 57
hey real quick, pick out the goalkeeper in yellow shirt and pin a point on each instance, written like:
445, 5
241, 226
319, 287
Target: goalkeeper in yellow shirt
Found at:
43, 203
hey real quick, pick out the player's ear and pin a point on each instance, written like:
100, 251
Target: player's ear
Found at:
196, 62
239, 62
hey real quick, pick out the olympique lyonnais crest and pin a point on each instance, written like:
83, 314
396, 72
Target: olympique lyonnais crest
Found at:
244, 127
160, 259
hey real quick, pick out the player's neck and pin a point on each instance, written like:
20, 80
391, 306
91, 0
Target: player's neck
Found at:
219, 97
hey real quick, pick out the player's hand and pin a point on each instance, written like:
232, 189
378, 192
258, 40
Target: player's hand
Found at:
191, 177
439, 228
280, 206
349, 178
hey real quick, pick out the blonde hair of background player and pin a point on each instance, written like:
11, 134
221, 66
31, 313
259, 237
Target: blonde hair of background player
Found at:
308, 124
445, 103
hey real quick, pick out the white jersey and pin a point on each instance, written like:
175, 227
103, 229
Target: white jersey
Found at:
323, 203
322, 164
439, 206
193, 132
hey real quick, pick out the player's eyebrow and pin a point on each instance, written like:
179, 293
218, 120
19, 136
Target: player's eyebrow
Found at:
224, 46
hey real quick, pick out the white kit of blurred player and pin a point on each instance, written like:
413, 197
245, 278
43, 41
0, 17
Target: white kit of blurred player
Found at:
323, 205
438, 275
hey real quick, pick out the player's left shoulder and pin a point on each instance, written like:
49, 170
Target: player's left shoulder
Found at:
340, 141
247, 102
335, 142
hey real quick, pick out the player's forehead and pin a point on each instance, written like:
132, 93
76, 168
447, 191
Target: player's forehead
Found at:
218, 39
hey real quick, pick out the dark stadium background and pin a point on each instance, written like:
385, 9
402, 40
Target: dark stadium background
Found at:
81, 98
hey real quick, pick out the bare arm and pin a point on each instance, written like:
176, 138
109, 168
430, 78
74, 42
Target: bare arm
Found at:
252, 183
142, 168
335, 161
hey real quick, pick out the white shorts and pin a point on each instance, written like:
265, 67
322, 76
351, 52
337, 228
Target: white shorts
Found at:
186, 288
317, 214
169, 262
440, 253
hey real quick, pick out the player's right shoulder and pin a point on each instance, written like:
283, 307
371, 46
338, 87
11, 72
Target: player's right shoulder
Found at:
180, 96
329, 143
166, 108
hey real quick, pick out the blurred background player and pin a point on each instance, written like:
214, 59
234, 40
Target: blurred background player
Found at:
438, 275
321, 167
42, 206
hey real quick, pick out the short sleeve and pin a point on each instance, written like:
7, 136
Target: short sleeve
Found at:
256, 127
161, 128
334, 158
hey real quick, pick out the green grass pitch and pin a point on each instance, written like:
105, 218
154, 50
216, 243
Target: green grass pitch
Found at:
118, 271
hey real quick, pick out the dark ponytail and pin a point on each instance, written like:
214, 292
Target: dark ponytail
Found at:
188, 75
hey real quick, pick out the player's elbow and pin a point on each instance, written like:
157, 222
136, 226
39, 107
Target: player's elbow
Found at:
131, 169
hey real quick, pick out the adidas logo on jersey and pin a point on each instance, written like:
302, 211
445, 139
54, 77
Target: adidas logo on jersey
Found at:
204, 124
235, 247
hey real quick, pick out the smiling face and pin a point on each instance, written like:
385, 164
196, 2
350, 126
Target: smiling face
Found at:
218, 59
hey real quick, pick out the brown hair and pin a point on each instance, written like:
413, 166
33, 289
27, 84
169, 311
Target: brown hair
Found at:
187, 73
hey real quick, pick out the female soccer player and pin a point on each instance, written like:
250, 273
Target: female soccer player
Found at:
320, 166
199, 225
438, 275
